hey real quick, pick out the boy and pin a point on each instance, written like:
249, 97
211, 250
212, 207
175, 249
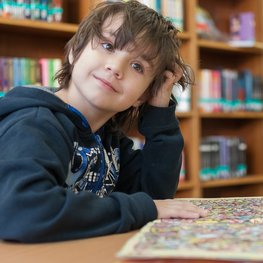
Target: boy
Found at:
66, 169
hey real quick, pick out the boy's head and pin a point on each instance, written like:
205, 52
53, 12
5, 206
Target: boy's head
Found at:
143, 29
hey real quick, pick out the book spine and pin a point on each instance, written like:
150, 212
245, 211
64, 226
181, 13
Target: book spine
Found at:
57, 63
27, 9
1, 8
5, 81
204, 90
50, 66
35, 9
222, 157
44, 71
44, 10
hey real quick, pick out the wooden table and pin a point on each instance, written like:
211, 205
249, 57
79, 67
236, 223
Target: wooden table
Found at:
97, 250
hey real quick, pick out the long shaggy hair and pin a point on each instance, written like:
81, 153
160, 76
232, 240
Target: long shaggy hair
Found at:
143, 28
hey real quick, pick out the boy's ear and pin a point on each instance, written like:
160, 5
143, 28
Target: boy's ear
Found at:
70, 57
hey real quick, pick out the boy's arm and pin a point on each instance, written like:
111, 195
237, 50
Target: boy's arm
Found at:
155, 169
35, 205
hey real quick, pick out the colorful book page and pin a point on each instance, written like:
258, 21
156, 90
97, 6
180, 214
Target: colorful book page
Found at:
233, 230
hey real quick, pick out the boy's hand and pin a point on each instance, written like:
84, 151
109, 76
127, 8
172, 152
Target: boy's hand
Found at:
163, 95
172, 208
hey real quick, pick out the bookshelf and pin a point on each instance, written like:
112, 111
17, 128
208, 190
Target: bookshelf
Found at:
36, 39
248, 125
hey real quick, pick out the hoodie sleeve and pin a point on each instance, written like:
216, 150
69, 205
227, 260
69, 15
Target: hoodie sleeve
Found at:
35, 206
155, 169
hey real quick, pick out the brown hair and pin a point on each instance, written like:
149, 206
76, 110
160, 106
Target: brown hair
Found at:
145, 29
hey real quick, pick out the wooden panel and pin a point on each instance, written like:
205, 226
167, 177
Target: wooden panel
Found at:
41, 46
233, 191
214, 59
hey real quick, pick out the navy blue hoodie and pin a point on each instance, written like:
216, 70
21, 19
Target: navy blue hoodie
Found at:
60, 181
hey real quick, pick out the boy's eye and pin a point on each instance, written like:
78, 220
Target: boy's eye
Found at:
108, 46
137, 67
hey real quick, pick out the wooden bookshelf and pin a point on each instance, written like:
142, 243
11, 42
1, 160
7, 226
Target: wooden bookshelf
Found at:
35, 39
248, 125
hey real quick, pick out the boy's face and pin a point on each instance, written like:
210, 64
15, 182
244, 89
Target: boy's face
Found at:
109, 80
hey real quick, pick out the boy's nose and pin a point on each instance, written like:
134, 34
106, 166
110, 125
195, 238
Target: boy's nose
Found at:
115, 70
116, 66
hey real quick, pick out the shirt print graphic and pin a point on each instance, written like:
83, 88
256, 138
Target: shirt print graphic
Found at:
94, 169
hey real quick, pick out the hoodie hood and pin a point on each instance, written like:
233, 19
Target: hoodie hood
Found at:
25, 97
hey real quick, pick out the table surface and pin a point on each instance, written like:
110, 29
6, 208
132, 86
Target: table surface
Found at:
97, 250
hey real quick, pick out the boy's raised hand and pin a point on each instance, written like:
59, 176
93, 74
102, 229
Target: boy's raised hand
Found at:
163, 95
172, 208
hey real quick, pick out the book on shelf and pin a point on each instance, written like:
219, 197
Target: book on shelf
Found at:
232, 231
27, 71
55, 11
228, 90
206, 100
174, 10
222, 157
242, 43
154, 4
35, 10
46, 10
242, 29
206, 27
171, 9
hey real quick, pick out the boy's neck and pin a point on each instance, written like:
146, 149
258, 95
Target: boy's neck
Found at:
95, 118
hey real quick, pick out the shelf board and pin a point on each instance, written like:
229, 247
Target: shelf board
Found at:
252, 179
184, 35
222, 46
37, 27
231, 115
185, 185
187, 114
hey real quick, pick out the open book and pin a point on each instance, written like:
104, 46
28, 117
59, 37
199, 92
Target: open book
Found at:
233, 230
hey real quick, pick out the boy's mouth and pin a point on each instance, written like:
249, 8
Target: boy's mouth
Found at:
106, 84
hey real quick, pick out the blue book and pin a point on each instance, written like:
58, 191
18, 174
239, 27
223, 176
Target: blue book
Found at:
247, 79
27, 9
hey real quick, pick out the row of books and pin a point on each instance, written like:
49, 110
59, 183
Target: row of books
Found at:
222, 157
241, 31
46, 10
230, 90
27, 71
172, 9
